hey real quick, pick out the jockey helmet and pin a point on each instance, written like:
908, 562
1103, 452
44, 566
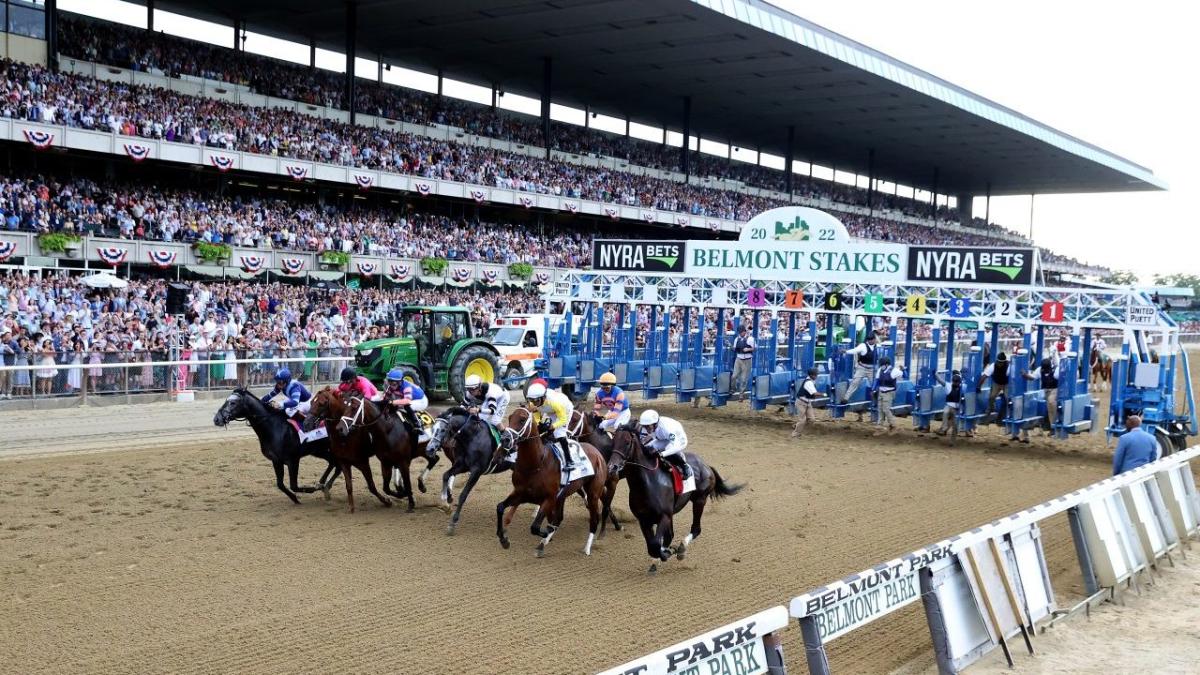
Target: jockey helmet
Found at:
349, 374
608, 378
536, 392
395, 375
473, 381
648, 418
283, 375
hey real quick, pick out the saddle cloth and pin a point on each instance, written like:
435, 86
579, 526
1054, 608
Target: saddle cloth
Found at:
682, 487
583, 466
316, 434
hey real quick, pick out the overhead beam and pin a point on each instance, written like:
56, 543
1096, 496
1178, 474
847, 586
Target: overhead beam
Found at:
351, 49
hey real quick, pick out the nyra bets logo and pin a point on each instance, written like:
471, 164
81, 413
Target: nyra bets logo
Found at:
1010, 266
637, 255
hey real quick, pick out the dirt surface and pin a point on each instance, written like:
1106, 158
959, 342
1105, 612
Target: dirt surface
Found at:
187, 559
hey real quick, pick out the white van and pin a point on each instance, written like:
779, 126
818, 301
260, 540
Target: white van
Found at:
520, 338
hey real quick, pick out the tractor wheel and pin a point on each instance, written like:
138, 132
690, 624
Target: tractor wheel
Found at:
1165, 445
474, 360
412, 375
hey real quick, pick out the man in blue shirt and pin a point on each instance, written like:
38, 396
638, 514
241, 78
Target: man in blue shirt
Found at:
1135, 447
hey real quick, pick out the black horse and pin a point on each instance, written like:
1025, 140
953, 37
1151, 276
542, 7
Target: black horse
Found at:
652, 498
467, 443
278, 441
589, 432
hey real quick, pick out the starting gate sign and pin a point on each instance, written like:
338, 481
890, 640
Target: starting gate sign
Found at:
1006, 309
735, 648
960, 308
756, 297
833, 301
873, 303
1139, 315
1052, 312
793, 299
915, 304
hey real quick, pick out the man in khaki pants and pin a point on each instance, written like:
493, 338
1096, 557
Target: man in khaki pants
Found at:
886, 381
743, 357
805, 394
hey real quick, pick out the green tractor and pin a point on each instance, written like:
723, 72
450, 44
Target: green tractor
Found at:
438, 351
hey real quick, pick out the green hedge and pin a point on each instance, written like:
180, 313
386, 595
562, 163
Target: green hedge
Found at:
213, 253
520, 270
335, 258
434, 266
56, 242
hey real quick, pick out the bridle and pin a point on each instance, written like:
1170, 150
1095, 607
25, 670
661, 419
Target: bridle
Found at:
625, 461
238, 396
355, 421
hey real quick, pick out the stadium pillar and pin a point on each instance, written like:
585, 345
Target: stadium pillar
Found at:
351, 47
684, 158
52, 35
494, 102
150, 15
547, 67
871, 181
987, 205
933, 193
312, 53
587, 117
788, 160
966, 208
237, 35
627, 126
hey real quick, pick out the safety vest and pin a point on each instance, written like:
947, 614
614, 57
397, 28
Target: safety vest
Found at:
740, 347
955, 393
803, 393
1000, 372
886, 381
1049, 381
867, 359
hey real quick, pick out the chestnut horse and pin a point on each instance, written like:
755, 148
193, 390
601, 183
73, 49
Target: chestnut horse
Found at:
1101, 366
394, 442
351, 445
536, 479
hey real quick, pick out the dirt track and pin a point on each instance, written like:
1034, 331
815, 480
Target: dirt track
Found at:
186, 559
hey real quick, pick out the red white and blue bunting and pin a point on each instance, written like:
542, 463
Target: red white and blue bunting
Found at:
479, 196
540, 278
461, 274
682, 221
365, 181
527, 202
222, 162
7, 249
253, 263
367, 269
490, 276
401, 272
612, 212
296, 171
136, 151
112, 255
40, 139
571, 207
163, 258
714, 226
648, 216
292, 266
423, 188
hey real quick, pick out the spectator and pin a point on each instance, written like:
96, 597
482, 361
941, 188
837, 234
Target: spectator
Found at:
1135, 447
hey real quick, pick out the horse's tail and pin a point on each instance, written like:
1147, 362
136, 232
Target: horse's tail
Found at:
723, 489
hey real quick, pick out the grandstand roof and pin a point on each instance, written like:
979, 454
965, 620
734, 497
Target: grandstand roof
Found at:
750, 68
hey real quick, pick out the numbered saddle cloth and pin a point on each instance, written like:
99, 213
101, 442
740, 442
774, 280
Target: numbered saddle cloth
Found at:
682, 486
319, 432
582, 465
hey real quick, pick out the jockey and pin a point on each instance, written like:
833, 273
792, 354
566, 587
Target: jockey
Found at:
666, 438
407, 397
551, 412
351, 381
297, 394
488, 400
611, 404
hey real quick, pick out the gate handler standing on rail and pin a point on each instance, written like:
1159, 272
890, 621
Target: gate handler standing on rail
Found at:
743, 356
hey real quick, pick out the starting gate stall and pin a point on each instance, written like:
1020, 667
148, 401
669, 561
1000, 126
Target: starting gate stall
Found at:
1145, 386
840, 278
1078, 411
559, 353
628, 362
975, 390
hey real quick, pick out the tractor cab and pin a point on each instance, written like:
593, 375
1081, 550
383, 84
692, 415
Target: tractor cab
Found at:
436, 347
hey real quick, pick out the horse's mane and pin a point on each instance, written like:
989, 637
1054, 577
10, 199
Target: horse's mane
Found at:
453, 411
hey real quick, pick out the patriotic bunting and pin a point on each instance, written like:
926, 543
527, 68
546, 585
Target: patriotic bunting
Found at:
297, 172
648, 216
541, 277
423, 188
364, 181
714, 226
682, 221
525, 201
572, 207
479, 196
461, 274
253, 263
112, 255
292, 266
612, 212
401, 272
161, 258
222, 162
490, 276
136, 151
367, 269
40, 139
7, 248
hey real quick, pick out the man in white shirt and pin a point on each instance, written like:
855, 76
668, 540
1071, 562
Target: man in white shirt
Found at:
743, 358
886, 380
864, 366
805, 393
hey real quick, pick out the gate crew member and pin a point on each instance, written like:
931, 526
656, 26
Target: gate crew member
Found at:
1047, 374
864, 367
1135, 447
885, 384
998, 371
743, 357
552, 412
665, 437
950, 412
611, 404
805, 393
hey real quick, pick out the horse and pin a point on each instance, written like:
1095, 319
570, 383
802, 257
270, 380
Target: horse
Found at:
536, 480
1101, 367
395, 444
587, 430
652, 498
278, 440
350, 443
467, 443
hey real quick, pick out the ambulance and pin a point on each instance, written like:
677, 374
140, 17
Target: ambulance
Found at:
520, 338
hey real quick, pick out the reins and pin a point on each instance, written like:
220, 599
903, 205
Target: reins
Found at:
626, 461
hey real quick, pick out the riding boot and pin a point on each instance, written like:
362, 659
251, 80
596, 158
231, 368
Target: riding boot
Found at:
566, 452
681, 463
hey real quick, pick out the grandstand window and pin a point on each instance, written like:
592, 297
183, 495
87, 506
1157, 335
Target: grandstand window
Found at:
772, 161
117, 11
466, 91
822, 172
567, 114
845, 177
674, 139
803, 168
330, 60
286, 50
713, 148
744, 155
646, 132
366, 68
413, 79
193, 29
26, 18
522, 104
608, 123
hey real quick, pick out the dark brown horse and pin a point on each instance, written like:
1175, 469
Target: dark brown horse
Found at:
585, 430
536, 479
394, 442
1101, 366
350, 444
652, 498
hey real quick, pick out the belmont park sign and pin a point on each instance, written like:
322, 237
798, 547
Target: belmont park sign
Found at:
803, 244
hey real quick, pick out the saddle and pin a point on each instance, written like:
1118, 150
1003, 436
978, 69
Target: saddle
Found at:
318, 432
682, 485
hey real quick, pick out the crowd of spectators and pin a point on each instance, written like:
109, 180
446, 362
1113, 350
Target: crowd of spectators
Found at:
56, 322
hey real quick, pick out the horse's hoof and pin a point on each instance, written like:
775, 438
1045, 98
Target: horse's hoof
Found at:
421, 486
411, 508
451, 528
386, 503
587, 552
680, 552
617, 527
653, 571
540, 552
504, 543
444, 506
